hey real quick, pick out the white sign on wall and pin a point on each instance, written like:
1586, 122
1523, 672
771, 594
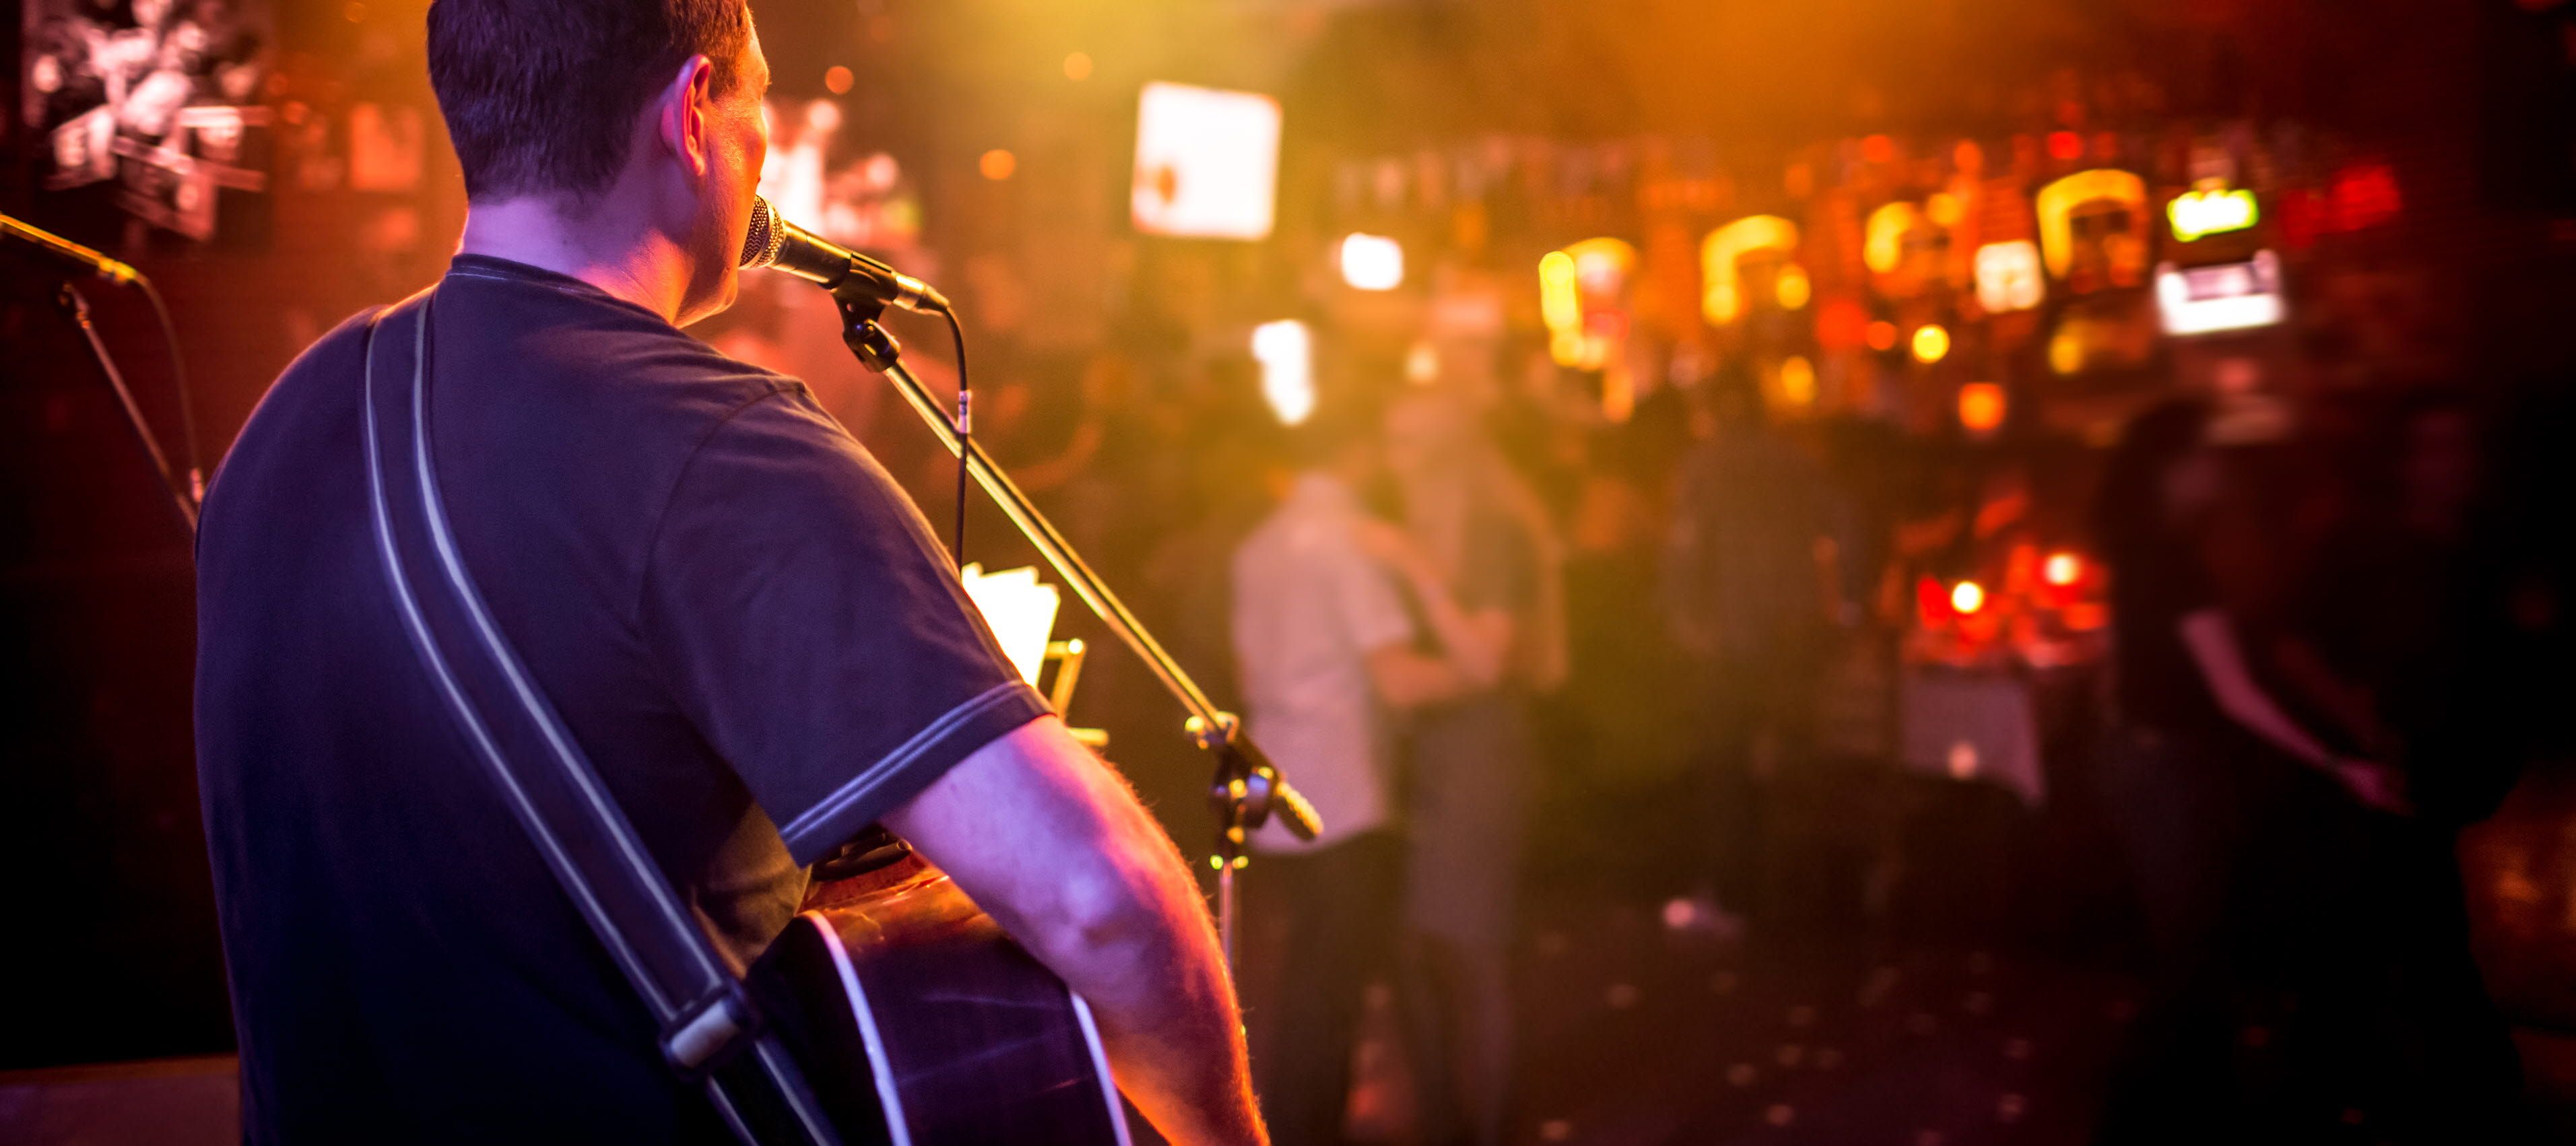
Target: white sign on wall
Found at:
1207, 162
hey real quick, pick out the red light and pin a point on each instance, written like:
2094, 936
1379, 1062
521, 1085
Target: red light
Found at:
1933, 602
1878, 149
2065, 145
1841, 324
2062, 569
2365, 195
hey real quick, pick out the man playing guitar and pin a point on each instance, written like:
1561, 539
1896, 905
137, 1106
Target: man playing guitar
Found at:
730, 605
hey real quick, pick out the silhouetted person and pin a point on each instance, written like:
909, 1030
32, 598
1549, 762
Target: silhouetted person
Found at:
1746, 597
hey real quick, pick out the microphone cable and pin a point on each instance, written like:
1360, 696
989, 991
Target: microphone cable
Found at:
178, 382
965, 429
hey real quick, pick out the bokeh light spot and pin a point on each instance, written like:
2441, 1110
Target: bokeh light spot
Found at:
1793, 287
1967, 597
1981, 407
2062, 569
1797, 382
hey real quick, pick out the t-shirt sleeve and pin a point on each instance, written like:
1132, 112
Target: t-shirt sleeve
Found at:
1367, 605
813, 630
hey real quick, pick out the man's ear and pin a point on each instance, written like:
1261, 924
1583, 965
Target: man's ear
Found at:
681, 122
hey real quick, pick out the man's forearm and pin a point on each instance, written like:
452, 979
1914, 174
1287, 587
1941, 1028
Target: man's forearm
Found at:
1089, 883
1175, 1035
1158, 985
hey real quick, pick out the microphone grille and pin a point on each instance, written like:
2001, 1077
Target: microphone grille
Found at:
761, 242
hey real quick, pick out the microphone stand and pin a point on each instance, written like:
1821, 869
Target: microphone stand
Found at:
68, 299
1247, 790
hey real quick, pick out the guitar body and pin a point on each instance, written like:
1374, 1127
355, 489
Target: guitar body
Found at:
918, 1023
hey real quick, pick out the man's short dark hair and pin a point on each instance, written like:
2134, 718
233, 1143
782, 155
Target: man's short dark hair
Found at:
541, 95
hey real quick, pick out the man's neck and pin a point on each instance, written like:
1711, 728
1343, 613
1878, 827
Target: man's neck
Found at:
628, 262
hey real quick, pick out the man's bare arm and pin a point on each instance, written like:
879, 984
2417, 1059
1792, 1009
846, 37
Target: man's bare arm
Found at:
1054, 846
1469, 646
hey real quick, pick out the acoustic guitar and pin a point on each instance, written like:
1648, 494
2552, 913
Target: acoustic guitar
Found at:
918, 1023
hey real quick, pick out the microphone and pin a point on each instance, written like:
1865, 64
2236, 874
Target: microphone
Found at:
780, 245
66, 251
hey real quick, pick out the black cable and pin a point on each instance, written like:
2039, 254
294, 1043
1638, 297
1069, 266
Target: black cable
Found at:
965, 428
179, 382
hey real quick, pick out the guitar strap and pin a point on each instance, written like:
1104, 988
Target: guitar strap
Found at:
709, 1026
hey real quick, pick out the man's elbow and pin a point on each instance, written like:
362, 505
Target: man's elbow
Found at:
1115, 904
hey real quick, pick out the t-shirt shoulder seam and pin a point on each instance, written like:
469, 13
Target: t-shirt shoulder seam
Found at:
661, 517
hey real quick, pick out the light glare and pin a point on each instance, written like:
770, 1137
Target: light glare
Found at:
2211, 211
1286, 354
1967, 597
2229, 296
1372, 262
2008, 276
2062, 569
1207, 162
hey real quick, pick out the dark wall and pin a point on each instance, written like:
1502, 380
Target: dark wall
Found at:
102, 858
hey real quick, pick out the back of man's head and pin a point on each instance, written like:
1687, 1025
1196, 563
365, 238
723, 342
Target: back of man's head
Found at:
541, 95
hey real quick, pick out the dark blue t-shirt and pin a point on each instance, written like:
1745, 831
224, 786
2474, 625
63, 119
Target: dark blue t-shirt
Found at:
748, 626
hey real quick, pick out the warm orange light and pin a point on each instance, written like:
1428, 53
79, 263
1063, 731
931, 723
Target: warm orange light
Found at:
1981, 407
1945, 209
836, 80
997, 164
1878, 149
1882, 335
1077, 67
1560, 299
1797, 382
2057, 203
2066, 351
1793, 287
1967, 597
1931, 343
2062, 569
1560, 306
1883, 236
1722, 298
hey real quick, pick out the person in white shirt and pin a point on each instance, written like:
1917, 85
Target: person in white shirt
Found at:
1326, 647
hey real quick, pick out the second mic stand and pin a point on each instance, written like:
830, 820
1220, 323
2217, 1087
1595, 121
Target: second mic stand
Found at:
1246, 790
183, 497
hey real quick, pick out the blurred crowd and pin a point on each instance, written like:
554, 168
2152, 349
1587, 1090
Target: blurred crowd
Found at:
1495, 635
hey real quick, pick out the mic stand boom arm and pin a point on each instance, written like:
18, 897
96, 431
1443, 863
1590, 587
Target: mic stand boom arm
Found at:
1247, 789
183, 497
